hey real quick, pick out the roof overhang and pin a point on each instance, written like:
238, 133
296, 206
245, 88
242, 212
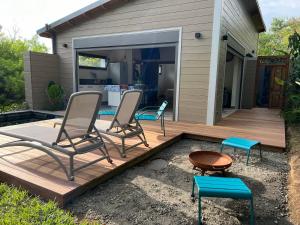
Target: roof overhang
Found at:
84, 14
101, 6
254, 11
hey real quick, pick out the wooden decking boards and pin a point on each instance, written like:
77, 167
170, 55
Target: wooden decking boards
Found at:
39, 174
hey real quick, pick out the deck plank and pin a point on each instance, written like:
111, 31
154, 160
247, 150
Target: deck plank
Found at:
39, 174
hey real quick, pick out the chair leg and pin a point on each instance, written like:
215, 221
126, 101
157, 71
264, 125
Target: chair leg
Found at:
107, 154
163, 125
145, 140
193, 191
71, 166
252, 216
260, 153
199, 211
248, 155
123, 148
222, 147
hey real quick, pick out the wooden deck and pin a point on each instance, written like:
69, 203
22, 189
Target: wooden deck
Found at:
40, 175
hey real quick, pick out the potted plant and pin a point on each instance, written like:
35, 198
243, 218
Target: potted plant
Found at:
56, 96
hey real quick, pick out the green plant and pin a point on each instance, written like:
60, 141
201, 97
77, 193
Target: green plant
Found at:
56, 96
292, 108
14, 107
18, 207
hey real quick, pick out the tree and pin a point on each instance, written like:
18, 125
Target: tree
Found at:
276, 40
11, 66
292, 108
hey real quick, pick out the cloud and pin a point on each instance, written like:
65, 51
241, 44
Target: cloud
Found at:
279, 8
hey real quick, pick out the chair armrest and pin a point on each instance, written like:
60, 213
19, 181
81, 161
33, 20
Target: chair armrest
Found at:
57, 123
149, 107
144, 112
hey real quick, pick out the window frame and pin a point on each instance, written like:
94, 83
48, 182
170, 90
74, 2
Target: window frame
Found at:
92, 56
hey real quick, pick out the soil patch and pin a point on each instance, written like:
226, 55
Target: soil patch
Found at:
294, 177
158, 191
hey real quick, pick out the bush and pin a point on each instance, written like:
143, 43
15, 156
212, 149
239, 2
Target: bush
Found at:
17, 207
291, 111
56, 96
13, 107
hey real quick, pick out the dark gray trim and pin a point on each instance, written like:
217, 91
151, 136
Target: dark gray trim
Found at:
54, 43
234, 44
145, 38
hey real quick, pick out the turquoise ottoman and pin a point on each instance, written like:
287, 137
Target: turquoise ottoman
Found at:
243, 144
221, 187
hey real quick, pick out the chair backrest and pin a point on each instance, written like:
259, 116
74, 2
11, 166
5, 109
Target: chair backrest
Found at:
161, 109
80, 115
127, 108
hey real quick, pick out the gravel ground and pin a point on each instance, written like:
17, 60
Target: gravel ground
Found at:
158, 191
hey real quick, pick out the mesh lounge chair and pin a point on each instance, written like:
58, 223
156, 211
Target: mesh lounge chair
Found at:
76, 135
147, 113
124, 125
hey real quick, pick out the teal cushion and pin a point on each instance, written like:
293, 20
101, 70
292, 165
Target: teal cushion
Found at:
106, 113
240, 143
222, 187
146, 117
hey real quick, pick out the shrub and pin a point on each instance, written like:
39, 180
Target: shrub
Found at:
17, 207
291, 111
13, 107
56, 96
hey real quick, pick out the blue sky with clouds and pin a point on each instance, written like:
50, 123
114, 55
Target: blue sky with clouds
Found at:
279, 8
31, 15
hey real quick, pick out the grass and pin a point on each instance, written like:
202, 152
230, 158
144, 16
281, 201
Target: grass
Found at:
17, 207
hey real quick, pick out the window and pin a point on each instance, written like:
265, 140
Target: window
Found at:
87, 61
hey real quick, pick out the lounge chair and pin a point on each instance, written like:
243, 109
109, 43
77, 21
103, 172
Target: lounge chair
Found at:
150, 113
124, 125
153, 113
76, 135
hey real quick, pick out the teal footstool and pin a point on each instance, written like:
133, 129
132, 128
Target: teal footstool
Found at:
221, 187
243, 144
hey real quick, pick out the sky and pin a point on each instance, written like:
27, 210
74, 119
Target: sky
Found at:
27, 16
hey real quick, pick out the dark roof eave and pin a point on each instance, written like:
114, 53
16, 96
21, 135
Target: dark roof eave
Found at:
263, 25
48, 29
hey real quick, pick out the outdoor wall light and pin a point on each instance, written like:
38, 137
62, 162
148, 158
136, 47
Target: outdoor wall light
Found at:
65, 45
198, 35
225, 37
253, 51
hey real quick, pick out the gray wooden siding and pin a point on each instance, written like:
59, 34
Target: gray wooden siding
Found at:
39, 69
138, 15
237, 21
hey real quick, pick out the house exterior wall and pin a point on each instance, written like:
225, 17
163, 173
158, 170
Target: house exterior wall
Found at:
238, 23
39, 69
192, 15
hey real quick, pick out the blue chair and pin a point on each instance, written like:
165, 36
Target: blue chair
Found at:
153, 113
243, 144
150, 113
221, 187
